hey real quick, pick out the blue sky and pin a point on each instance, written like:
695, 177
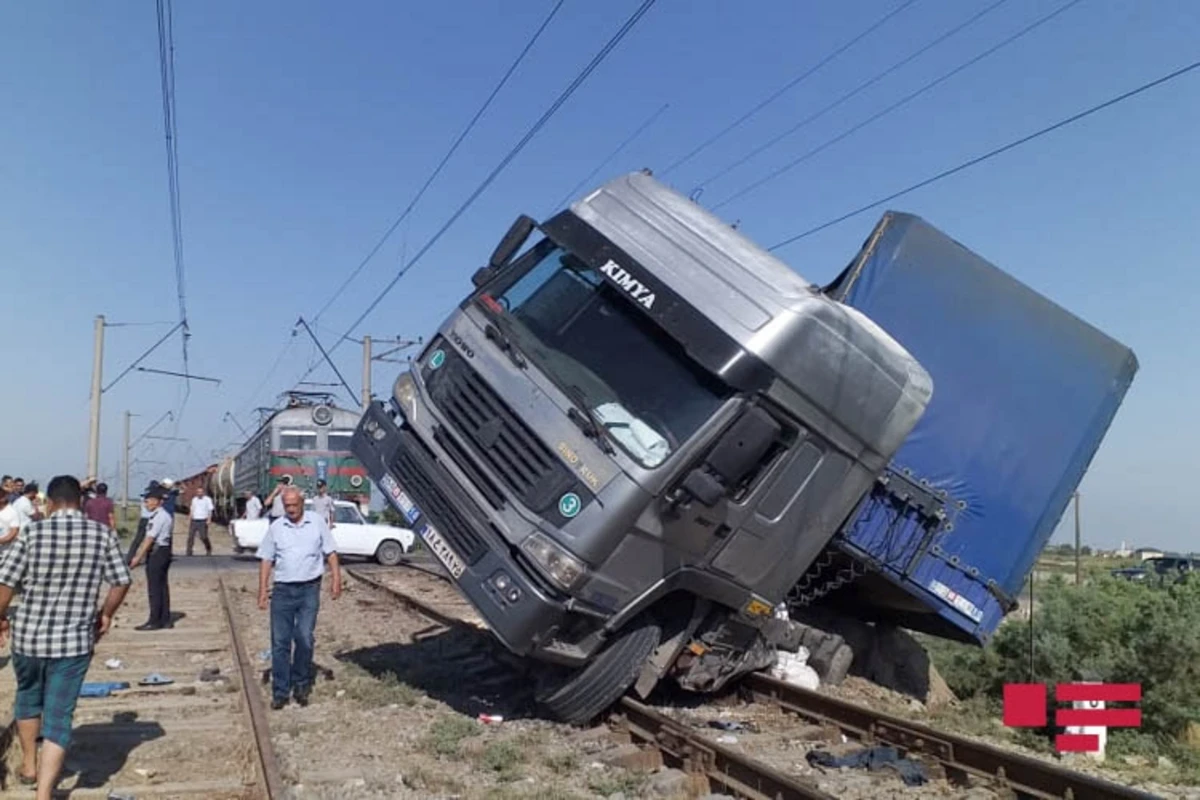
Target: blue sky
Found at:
304, 128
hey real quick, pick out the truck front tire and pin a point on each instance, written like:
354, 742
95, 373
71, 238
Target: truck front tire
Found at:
582, 695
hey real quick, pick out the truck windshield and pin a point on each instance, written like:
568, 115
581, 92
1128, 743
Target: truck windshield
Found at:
587, 338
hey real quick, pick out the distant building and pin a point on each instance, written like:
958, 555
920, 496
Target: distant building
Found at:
1143, 553
1123, 551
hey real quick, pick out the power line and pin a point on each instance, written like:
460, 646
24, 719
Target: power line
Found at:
513, 153
785, 88
441, 164
852, 93
777, 172
625, 143
166, 65
993, 153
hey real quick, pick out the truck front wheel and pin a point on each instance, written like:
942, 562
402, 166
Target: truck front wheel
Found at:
581, 695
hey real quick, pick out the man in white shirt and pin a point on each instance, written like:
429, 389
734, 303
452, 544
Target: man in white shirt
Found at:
322, 504
10, 523
253, 508
201, 512
25, 506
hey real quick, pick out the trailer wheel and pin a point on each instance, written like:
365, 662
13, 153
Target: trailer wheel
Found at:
390, 553
581, 695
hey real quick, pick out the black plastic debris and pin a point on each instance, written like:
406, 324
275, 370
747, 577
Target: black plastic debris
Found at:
872, 758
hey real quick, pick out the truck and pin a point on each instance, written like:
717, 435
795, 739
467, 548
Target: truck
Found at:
642, 436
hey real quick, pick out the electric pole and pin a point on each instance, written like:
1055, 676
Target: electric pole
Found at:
93, 459
1078, 545
125, 489
366, 380
397, 345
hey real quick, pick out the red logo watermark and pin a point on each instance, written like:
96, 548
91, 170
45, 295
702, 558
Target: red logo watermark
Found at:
1025, 707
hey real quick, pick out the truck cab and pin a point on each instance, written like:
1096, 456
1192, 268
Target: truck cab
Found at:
633, 437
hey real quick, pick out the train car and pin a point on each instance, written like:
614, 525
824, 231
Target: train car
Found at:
308, 440
225, 499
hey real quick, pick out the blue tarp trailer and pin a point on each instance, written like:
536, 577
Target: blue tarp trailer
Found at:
1023, 394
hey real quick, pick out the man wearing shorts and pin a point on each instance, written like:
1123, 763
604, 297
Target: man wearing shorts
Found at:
58, 564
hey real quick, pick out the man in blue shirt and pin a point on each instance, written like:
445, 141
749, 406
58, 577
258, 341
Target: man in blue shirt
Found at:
297, 545
156, 552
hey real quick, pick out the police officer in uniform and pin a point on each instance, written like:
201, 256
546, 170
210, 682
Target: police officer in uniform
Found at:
144, 520
156, 553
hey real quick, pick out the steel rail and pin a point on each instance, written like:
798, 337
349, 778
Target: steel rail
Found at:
698, 755
273, 785
678, 746
957, 754
422, 608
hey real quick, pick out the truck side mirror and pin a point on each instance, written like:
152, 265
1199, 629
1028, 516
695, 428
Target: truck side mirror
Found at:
482, 276
741, 447
733, 457
518, 232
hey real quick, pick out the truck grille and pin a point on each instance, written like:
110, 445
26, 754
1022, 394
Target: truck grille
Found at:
510, 449
448, 516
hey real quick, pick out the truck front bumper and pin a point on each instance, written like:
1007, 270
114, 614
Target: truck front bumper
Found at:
455, 529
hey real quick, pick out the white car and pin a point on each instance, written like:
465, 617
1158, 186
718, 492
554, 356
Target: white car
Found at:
353, 535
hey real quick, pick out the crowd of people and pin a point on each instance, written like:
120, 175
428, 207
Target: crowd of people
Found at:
59, 548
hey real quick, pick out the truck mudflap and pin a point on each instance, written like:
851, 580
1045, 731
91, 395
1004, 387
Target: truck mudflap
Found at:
455, 531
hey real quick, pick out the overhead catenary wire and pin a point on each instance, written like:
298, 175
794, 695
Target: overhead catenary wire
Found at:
628, 140
782, 90
1145, 87
903, 101
562, 98
442, 164
861, 87
166, 63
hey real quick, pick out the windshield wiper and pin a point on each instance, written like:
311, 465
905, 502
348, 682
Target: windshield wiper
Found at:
502, 341
583, 416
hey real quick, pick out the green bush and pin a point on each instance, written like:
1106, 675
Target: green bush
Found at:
1109, 630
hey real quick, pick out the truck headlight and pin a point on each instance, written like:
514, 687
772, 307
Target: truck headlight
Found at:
560, 566
405, 393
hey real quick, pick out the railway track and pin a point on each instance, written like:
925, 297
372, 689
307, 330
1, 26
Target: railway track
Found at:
199, 736
960, 758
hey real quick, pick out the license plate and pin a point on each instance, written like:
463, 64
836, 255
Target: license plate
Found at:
448, 557
391, 487
399, 499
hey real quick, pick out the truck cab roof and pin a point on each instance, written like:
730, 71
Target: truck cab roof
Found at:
672, 254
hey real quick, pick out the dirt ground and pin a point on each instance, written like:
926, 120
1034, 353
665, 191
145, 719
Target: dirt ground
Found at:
159, 741
397, 715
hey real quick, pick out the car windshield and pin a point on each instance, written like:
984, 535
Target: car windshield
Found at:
587, 337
